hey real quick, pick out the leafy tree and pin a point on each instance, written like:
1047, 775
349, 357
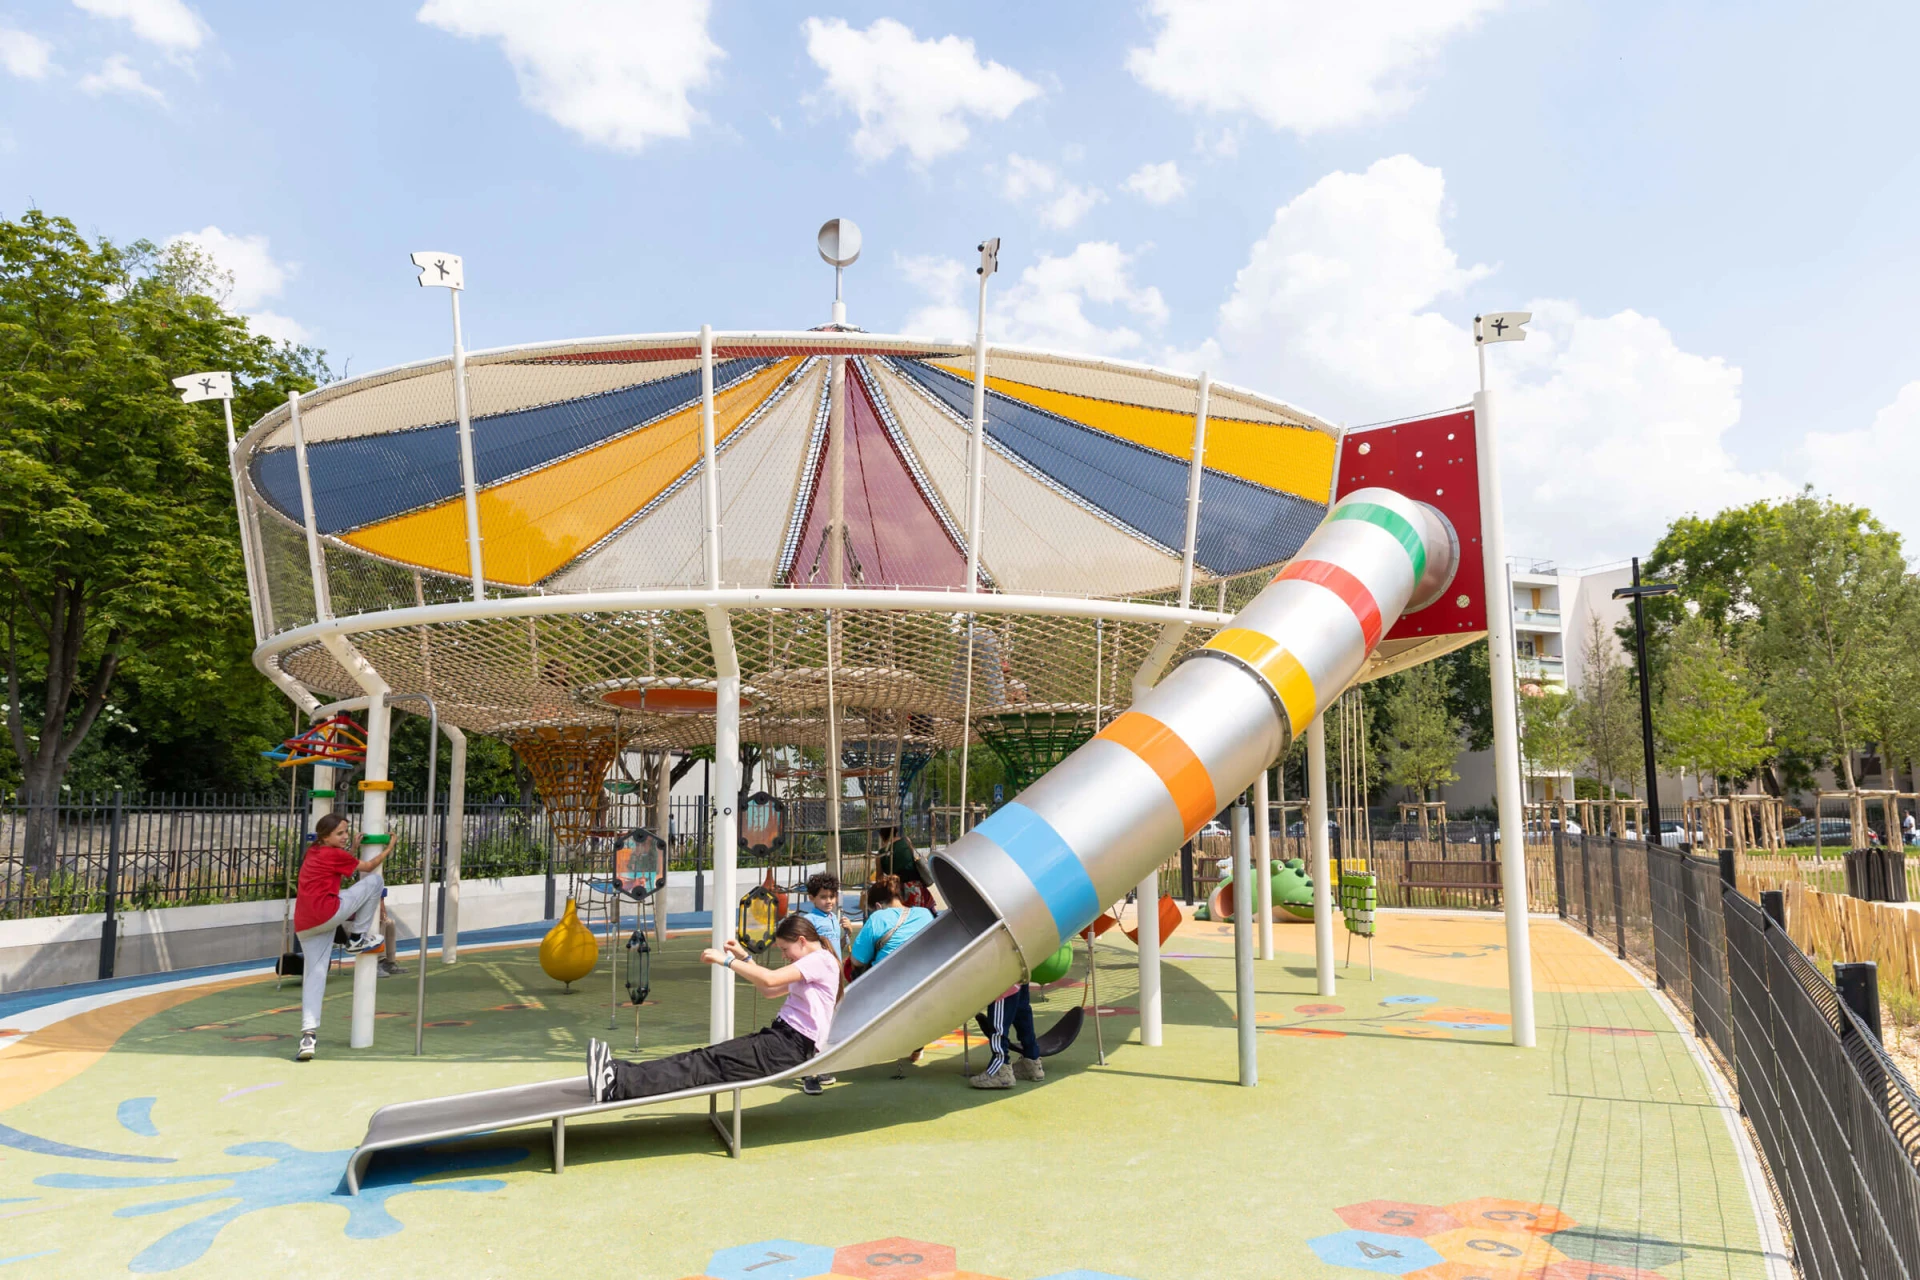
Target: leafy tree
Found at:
1606, 712
1422, 737
118, 544
1709, 716
1827, 585
1548, 742
1712, 561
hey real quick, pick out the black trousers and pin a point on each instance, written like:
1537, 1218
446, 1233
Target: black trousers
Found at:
1011, 1013
766, 1052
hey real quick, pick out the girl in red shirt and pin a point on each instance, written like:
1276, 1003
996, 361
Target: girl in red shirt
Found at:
322, 906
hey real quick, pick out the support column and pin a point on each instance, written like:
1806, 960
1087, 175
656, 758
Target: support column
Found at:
726, 819
1322, 867
1263, 862
1243, 949
456, 834
663, 814
1148, 894
374, 836
1506, 729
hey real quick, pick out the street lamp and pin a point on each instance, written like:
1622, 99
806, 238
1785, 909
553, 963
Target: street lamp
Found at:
1638, 593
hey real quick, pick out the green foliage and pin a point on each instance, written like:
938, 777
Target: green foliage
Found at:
1708, 717
1421, 735
1828, 585
1606, 712
118, 542
1548, 742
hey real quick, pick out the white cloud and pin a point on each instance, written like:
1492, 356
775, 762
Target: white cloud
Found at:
1349, 305
118, 75
1060, 203
257, 276
616, 72
1158, 183
908, 93
24, 54
167, 23
1874, 466
1295, 64
1048, 306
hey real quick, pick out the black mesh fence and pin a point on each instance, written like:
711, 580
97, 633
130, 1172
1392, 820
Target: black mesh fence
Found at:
1838, 1123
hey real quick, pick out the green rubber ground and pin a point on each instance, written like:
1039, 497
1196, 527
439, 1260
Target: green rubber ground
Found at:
1601, 1153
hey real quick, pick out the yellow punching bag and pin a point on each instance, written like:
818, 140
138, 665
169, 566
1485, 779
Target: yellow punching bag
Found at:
569, 951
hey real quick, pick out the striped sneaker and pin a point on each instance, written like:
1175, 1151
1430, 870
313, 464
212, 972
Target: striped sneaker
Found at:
600, 1070
308, 1040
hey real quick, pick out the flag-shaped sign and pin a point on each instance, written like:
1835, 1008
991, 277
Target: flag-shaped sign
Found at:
205, 386
1501, 326
439, 269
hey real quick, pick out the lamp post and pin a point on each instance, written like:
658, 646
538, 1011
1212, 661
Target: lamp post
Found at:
1638, 593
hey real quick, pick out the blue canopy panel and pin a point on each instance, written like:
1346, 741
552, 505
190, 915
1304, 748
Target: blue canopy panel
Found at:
1242, 525
365, 480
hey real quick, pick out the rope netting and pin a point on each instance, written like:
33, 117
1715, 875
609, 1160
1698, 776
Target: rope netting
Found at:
568, 767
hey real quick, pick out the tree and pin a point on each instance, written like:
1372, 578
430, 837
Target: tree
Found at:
1547, 738
118, 543
1709, 717
1421, 736
1827, 586
1606, 717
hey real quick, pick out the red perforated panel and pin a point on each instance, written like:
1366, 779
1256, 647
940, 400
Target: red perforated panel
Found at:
1433, 460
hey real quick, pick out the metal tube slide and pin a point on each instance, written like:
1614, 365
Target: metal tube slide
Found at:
1080, 837
1039, 870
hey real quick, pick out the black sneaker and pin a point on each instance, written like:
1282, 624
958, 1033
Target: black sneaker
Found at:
388, 969
810, 1085
308, 1039
599, 1070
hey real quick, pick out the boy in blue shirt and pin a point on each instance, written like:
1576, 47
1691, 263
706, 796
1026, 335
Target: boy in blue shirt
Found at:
822, 910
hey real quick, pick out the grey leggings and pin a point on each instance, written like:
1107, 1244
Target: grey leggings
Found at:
360, 908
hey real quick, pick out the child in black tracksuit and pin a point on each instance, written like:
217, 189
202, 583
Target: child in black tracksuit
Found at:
1012, 1011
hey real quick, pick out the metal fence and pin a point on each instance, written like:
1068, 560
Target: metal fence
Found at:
1838, 1123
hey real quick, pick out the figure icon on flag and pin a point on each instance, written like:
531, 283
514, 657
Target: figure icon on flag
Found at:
1501, 326
440, 270
205, 386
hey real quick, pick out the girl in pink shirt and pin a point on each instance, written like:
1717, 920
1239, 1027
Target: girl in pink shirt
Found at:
811, 980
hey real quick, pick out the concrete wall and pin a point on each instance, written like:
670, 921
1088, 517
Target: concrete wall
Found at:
51, 951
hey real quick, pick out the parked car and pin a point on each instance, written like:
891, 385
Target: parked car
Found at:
1538, 831
1837, 832
1676, 835
1300, 828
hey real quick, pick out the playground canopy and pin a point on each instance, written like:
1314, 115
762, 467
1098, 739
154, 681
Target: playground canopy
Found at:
588, 462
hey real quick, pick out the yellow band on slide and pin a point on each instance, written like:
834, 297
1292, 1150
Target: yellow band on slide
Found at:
366, 785
1278, 667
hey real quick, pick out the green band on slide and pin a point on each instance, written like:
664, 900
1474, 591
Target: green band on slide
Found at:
322, 795
1394, 523
371, 838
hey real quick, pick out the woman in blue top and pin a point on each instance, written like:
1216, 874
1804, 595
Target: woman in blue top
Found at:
889, 925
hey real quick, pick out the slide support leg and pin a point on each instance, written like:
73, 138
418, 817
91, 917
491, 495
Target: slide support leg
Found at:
1148, 895
1322, 856
1243, 948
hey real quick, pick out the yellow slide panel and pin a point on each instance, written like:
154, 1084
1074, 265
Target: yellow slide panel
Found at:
1296, 460
532, 525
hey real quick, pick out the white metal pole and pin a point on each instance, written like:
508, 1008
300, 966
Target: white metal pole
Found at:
1263, 862
710, 479
1506, 729
1196, 467
1317, 842
316, 562
837, 571
726, 821
977, 444
1243, 949
663, 815
247, 555
1148, 896
467, 483
374, 835
456, 834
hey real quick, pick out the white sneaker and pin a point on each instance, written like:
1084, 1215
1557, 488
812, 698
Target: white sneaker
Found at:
366, 942
308, 1039
600, 1070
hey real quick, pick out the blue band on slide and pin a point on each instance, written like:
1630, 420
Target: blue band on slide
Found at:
1037, 849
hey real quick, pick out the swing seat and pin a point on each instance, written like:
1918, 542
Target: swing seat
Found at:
1056, 1039
1170, 919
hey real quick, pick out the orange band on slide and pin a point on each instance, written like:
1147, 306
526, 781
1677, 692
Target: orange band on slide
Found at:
1278, 667
1168, 755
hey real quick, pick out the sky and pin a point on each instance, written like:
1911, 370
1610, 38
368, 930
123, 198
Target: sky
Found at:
1707, 208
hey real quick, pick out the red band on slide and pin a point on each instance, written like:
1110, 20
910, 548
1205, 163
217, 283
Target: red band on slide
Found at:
1346, 586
